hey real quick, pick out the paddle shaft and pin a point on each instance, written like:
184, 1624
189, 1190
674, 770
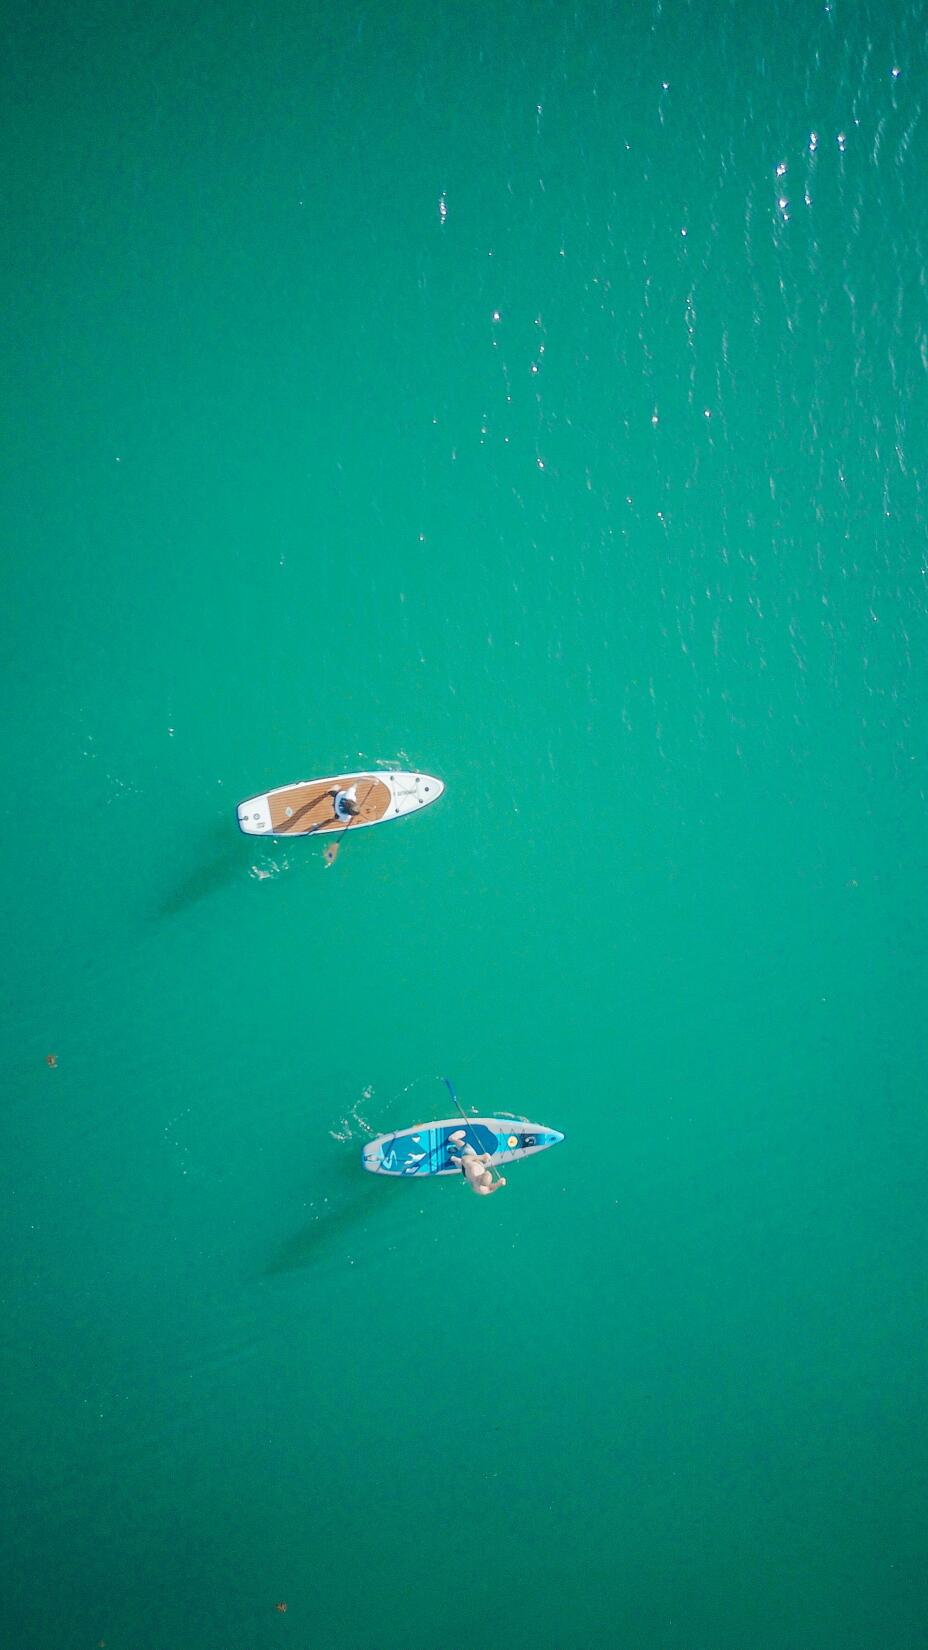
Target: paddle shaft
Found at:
447, 1080
333, 847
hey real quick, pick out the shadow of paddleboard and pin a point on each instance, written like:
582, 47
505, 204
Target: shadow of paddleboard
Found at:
352, 1199
224, 859
319, 1236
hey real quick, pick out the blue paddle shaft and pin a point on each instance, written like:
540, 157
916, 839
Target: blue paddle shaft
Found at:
467, 1121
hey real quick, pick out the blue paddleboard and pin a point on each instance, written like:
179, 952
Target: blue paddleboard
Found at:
426, 1148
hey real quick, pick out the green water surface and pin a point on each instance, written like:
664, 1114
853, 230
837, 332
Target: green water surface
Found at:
535, 395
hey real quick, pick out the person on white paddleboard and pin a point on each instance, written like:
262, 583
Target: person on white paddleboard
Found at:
476, 1170
344, 805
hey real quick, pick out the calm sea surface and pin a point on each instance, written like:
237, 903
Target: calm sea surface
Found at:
537, 395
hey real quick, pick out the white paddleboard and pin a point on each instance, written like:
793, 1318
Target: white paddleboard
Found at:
309, 808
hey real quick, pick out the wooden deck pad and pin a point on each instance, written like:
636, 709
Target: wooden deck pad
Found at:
299, 810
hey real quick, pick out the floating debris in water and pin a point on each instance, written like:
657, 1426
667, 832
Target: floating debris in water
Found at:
281, 1607
51, 1060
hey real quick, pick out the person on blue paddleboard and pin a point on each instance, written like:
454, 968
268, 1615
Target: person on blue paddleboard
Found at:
475, 1169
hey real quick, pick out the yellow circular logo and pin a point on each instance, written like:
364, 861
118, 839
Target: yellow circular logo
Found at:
512, 1141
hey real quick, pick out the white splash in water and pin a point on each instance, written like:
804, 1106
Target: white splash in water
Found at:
354, 1122
266, 869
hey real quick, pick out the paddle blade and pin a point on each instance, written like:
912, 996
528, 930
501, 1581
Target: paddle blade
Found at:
330, 853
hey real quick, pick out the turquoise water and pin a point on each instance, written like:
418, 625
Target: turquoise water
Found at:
368, 403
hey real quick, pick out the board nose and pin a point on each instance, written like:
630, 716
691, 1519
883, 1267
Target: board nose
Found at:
428, 788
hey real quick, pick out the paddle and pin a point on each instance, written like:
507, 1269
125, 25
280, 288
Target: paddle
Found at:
330, 852
491, 1166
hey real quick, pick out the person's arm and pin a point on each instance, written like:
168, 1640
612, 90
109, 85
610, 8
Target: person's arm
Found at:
457, 1161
